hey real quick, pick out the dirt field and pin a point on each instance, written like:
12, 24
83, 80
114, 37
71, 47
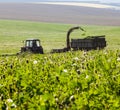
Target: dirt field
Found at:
59, 14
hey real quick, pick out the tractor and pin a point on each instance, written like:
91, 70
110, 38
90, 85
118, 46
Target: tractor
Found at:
32, 45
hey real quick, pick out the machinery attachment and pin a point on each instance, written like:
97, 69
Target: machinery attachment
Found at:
88, 43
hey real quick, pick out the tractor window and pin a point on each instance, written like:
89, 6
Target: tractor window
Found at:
29, 44
38, 43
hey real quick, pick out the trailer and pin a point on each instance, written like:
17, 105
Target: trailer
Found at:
89, 43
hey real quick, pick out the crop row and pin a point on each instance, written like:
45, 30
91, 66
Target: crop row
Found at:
74, 80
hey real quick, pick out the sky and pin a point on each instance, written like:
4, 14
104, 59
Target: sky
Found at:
103, 1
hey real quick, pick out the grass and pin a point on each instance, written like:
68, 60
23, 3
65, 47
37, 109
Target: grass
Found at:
12, 33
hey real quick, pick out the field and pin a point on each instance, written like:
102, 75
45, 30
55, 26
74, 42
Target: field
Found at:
73, 80
13, 33
54, 14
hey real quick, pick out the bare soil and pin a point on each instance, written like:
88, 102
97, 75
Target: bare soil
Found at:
60, 14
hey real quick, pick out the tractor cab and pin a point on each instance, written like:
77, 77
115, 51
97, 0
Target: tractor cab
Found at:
32, 45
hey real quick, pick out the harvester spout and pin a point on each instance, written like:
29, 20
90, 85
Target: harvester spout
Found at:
68, 35
68, 47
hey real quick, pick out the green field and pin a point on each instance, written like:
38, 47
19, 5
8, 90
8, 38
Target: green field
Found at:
76, 80
12, 33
